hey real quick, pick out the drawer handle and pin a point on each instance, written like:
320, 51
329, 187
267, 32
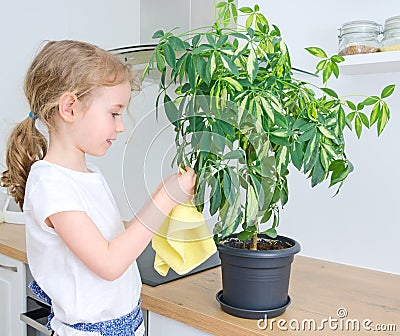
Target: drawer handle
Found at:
9, 268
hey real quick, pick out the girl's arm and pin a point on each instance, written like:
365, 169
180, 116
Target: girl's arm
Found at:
109, 260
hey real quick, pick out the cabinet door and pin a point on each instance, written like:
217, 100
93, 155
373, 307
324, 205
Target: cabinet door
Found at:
12, 296
161, 325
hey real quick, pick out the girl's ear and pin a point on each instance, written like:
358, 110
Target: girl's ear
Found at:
66, 106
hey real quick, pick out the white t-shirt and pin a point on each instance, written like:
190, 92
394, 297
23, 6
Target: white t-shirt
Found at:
77, 294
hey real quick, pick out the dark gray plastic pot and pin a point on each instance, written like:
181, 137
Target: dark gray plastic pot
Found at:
256, 283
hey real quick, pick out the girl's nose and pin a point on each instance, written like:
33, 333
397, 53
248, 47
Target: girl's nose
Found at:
120, 126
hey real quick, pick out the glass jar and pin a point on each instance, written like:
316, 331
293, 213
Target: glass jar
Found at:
359, 37
391, 34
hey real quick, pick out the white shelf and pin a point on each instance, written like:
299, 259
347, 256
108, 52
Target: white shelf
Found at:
380, 62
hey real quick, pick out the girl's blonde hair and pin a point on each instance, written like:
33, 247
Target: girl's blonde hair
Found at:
59, 67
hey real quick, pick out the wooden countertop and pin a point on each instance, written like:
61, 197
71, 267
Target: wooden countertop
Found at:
12, 241
319, 289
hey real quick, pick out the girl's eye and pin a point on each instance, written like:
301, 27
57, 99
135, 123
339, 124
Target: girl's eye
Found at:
116, 114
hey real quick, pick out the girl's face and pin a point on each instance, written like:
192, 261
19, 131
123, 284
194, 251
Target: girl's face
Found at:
99, 123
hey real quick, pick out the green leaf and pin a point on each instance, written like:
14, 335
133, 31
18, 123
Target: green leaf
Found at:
176, 43
234, 83
307, 135
245, 235
321, 65
364, 119
266, 217
337, 58
351, 116
358, 126
204, 48
280, 120
317, 174
335, 69
235, 154
282, 133
267, 108
216, 197
297, 155
231, 216
351, 105
383, 119
205, 142
387, 91
267, 166
342, 118
241, 49
222, 40
326, 73
301, 122
198, 199
234, 12
323, 156
316, 52
246, 10
210, 39
249, 20
171, 110
360, 106
330, 92
340, 170
252, 65
282, 160
227, 186
311, 155
226, 127
211, 65
229, 65
370, 100
251, 204
170, 55
195, 40
376, 111
283, 141
160, 62
200, 65
271, 232
190, 70
158, 34
327, 132
312, 111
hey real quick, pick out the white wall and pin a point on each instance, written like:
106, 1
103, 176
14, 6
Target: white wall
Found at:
360, 226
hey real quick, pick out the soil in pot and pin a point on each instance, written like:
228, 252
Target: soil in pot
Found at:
263, 244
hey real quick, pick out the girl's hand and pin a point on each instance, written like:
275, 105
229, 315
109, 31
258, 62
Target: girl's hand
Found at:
180, 187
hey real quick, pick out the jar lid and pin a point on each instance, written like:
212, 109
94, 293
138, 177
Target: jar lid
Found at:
360, 26
392, 23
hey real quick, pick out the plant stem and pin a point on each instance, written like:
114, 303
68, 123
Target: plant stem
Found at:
253, 243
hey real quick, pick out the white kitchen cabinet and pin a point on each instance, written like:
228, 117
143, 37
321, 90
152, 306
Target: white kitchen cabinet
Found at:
160, 325
12, 296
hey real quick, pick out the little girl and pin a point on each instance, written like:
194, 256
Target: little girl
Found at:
80, 253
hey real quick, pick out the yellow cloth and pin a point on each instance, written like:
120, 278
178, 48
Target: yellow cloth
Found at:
183, 241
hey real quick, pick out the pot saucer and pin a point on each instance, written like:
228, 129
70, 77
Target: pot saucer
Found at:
250, 314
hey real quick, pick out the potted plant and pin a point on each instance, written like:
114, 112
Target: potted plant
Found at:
241, 119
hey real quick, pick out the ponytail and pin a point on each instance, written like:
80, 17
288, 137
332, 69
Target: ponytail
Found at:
25, 146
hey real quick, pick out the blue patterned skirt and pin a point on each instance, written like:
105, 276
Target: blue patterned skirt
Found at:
123, 326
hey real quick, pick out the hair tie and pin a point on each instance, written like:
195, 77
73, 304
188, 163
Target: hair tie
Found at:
32, 115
